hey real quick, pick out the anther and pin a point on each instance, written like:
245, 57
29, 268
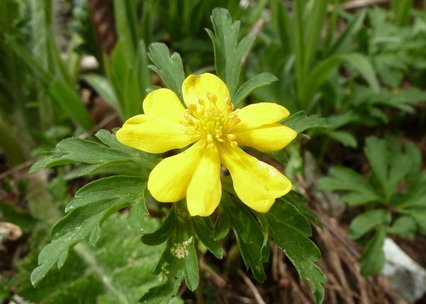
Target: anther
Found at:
212, 97
231, 136
234, 144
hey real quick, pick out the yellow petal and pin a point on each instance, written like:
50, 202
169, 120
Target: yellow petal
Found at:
256, 183
169, 180
164, 103
259, 114
267, 138
153, 134
205, 190
203, 87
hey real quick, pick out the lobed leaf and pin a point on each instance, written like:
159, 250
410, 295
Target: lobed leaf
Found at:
252, 84
290, 230
102, 274
357, 190
251, 239
81, 223
228, 52
169, 68
111, 152
368, 221
300, 122
373, 257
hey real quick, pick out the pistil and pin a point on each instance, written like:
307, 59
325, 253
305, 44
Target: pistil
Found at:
211, 123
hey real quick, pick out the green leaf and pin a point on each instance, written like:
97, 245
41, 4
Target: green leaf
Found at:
103, 87
367, 221
290, 230
252, 84
316, 79
97, 275
138, 214
162, 294
179, 259
405, 227
82, 222
163, 233
357, 189
351, 28
203, 227
250, 237
169, 68
126, 25
363, 65
228, 52
419, 214
300, 122
345, 138
390, 166
111, 152
112, 187
373, 257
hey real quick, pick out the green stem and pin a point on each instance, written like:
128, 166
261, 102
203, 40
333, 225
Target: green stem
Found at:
12, 145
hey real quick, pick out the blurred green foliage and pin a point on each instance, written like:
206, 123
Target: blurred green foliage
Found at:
353, 73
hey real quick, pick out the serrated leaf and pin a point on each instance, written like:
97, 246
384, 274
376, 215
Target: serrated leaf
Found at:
228, 52
359, 191
84, 151
80, 223
373, 257
169, 68
250, 236
179, 259
290, 230
299, 202
138, 214
98, 275
162, 234
203, 227
367, 221
300, 122
112, 187
252, 84
162, 294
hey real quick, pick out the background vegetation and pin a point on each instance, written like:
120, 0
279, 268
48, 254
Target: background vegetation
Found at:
71, 68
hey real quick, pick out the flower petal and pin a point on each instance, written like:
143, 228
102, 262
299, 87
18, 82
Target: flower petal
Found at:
205, 190
164, 103
256, 183
169, 180
202, 86
153, 134
259, 114
267, 138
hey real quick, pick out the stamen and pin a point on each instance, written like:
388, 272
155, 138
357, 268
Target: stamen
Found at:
212, 98
209, 123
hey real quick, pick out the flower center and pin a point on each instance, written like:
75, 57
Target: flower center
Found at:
211, 123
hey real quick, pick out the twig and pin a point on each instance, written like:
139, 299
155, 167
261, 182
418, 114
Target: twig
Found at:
257, 27
217, 279
361, 3
253, 288
99, 126
17, 168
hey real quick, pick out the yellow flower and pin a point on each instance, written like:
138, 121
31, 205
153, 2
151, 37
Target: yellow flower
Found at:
216, 131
